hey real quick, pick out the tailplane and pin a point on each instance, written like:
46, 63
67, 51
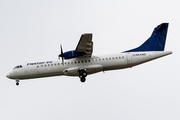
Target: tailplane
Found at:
156, 42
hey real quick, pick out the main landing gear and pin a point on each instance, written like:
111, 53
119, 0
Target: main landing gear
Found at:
17, 82
82, 75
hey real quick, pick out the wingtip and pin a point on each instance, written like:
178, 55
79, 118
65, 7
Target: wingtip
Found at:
87, 34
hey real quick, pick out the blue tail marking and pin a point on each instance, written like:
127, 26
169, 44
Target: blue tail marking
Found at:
156, 42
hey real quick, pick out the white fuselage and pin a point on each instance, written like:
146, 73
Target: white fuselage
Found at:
91, 65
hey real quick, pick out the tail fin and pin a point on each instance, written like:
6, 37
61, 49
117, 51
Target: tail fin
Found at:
156, 42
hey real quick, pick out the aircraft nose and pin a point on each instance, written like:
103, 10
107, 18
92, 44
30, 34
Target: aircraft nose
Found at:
8, 75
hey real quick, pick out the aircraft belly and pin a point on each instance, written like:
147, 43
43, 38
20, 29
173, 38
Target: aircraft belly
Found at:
38, 72
113, 65
90, 69
94, 69
39, 75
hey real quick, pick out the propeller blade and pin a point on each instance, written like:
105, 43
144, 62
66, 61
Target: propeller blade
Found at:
61, 55
61, 49
63, 60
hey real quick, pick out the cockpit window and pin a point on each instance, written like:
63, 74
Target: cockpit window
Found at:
19, 66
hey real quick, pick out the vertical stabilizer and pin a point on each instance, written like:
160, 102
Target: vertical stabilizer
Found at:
156, 42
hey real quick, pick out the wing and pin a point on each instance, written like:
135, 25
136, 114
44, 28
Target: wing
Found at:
85, 45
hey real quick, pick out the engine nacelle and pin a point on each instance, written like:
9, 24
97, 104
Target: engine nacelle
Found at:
72, 54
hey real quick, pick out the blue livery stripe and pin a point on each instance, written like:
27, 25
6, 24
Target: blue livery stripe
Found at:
156, 42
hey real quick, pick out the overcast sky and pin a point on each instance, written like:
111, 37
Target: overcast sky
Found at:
31, 31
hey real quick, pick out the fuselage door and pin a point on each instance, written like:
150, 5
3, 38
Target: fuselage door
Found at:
129, 58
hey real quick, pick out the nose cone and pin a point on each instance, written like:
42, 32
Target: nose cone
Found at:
8, 75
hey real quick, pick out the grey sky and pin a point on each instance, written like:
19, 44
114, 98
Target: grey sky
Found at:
31, 31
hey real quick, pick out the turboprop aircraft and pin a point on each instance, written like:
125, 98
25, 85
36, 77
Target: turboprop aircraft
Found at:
80, 62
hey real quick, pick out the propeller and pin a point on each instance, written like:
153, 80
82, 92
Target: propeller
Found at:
61, 55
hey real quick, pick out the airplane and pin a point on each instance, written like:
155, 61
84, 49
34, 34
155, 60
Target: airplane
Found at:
80, 62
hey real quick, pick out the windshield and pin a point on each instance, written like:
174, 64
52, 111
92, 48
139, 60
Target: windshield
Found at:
19, 66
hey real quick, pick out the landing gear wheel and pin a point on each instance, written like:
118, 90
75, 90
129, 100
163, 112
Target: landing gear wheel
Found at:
83, 79
81, 72
17, 82
82, 75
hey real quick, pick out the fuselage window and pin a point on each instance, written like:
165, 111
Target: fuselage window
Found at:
16, 67
99, 59
122, 57
48, 64
119, 57
109, 58
82, 61
113, 58
103, 59
58, 64
44, 65
106, 58
89, 60
78, 61
75, 62
19, 66
51, 64
85, 60
41, 65
55, 64
116, 58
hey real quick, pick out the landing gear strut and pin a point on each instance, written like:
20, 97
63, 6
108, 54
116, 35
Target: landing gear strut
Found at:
17, 82
82, 75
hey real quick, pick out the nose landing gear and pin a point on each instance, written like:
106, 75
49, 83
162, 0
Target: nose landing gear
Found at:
17, 82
